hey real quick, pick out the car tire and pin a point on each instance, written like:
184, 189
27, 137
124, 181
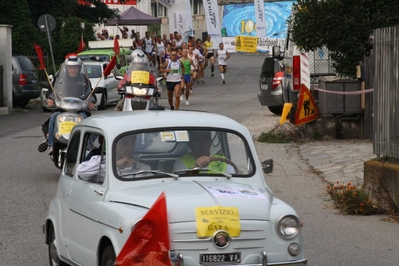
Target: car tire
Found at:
277, 110
54, 259
103, 102
108, 257
20, 104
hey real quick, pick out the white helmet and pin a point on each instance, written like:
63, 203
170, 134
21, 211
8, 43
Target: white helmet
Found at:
140, 61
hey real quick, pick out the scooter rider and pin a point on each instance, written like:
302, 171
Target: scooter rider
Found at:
140, 62
73, 75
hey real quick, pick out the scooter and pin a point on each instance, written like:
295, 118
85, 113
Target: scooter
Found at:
71, 97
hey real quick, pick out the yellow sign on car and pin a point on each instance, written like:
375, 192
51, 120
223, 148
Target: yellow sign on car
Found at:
142, 77
212, 219
66, 127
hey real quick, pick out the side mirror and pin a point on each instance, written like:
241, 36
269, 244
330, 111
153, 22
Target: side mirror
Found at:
118, 77
51, 77
159, 78
267, 166
118, 66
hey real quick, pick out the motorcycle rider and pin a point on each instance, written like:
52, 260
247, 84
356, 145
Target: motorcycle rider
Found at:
140, 62
73, 75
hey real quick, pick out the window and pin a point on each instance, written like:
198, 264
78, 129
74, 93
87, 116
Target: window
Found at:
72, 154
92, 167
197, 7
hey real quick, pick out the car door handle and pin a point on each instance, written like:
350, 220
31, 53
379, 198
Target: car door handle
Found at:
99, 192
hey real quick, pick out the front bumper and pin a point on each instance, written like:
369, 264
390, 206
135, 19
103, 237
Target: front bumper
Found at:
178, 260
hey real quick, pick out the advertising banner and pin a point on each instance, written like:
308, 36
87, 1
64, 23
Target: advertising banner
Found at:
240, 19
264, 44
260, 18
213, 21
180, 17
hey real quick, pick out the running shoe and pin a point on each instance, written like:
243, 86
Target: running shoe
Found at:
43, 146
202, 81
212, 75
172, 108
224, 82
181, 97
187, 103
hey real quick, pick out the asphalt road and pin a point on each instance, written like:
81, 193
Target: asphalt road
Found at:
29, 180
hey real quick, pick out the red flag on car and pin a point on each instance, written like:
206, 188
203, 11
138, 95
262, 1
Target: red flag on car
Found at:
40, 56
110, 66
81, 46
149, 242
116, 46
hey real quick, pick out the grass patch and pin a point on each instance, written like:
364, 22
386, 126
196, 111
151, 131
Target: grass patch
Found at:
271, 137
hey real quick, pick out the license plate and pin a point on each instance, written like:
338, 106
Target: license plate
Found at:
66, 127
234, 257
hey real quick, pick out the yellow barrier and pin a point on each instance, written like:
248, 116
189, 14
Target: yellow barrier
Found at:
286, 110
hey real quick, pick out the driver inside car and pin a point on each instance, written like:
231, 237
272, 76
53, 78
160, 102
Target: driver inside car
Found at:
200, 143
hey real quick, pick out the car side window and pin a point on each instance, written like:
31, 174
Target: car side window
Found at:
92, 165
72, 154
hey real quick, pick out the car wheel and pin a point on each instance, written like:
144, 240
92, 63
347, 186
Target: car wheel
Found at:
277, 110
54, 259
103, 102
108, 257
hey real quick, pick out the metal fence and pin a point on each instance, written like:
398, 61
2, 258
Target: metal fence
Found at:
320, 62
386, 92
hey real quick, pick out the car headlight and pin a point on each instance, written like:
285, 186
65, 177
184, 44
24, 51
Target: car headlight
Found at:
288, 227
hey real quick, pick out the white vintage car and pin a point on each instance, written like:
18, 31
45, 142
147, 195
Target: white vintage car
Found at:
168, 188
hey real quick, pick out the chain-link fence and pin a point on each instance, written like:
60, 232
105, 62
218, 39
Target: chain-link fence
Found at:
320, 62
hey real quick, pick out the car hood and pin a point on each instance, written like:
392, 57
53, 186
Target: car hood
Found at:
183, 197
94, 82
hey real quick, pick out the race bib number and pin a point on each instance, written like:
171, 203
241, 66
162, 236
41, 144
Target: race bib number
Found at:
212, 219
141, 77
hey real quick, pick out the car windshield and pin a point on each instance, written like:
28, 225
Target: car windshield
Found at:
180, 152
94, 71
100, 58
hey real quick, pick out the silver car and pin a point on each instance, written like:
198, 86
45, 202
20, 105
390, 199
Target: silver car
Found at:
105, 88
270, 85
168, 188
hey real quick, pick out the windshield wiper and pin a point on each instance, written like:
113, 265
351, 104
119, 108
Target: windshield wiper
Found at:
148, 172
203, 169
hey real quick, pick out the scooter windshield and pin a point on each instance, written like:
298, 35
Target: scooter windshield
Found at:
72, 82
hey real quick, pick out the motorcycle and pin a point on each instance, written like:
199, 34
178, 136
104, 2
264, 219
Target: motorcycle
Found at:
139, 88
71, 98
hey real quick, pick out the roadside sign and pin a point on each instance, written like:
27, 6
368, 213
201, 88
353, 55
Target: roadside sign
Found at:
45, 22
307, 110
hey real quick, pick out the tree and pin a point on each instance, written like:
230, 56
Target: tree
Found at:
343, 26
23, 15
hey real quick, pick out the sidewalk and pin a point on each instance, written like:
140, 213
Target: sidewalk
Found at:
339, 160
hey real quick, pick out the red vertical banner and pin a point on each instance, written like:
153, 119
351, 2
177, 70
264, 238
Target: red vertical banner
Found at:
40, 56
116, 46
81, 46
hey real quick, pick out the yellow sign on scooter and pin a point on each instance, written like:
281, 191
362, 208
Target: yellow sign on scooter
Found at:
209, 220
66, 127
142, 77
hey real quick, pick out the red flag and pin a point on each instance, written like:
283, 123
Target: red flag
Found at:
110, 66
149, 242
40, 56
81, 46
116, 46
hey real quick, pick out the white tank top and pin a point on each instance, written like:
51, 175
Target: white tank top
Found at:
148, 45
194, 60
160, 48
221, 57
175, 71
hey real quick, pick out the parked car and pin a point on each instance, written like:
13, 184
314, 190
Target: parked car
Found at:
270, 85
24, 81
219, 209
105, 90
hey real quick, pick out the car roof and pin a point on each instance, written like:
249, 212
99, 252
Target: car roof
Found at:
108, 51
115, 123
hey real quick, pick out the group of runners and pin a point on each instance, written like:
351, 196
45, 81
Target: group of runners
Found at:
183, 63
